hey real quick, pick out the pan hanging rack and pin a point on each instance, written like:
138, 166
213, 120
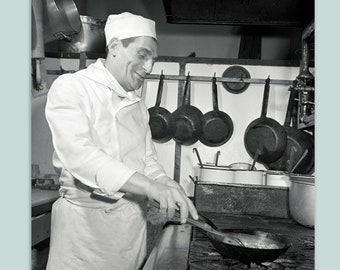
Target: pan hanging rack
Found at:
195, 78
218, 79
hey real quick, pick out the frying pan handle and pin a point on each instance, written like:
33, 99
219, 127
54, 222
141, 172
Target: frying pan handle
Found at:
265, 98
160, 90
200, 223
186, 95
214, 91
292, 96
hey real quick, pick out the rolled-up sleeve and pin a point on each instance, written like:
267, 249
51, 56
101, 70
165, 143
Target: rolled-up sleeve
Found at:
70, 127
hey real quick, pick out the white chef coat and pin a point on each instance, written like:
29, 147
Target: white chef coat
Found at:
101, 138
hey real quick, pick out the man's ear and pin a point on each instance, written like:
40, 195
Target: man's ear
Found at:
113, 46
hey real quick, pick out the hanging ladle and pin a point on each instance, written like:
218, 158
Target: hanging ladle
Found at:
198, 157
299, 161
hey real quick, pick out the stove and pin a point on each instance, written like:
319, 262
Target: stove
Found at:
300, 255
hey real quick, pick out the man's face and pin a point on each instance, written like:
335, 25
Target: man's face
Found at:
134, 62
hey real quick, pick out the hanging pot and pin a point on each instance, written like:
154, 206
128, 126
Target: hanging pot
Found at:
187, 120
217, 126
297, 141
265, 135
91, 38
161, 121
61, 20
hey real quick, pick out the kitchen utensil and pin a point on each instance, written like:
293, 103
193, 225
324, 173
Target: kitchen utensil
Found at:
298, 140
277, 178
241, 166
299, 161
187, 120
251, 177
214, 173
244, 245
258, 151
266, 134
61, 20
258, 246
90, 38
217, 126
302, 199
216, 158
198, 157
236, 72
205, 226
161, 121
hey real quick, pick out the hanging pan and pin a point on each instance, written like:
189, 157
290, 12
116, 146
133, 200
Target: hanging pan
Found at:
217, 126
187, 120
265, 135
161, 121
297, 141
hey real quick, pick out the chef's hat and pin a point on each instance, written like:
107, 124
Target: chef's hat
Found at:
127, 25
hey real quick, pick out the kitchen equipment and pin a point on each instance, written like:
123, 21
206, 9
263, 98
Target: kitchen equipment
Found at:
258, 246
161, 121
217, 126
91, 38
244, 245
207, 226
277, 178
61, 20
252, 177
236, 72
298, 140
265, 134
187, 120
302, 199
214, 173
240, 166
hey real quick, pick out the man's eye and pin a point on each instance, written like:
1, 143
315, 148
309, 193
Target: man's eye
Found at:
142, 56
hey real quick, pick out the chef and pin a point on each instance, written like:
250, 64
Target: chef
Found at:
105, 157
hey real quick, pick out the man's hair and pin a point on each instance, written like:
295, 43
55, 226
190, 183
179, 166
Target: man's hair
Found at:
126, 42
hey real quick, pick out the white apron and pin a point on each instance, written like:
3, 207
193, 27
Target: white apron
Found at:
101, 137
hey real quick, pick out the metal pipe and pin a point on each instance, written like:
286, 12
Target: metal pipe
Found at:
305, 74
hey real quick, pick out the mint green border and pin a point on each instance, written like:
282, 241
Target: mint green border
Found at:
15, 134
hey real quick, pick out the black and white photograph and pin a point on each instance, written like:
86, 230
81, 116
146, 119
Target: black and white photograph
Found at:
173, 134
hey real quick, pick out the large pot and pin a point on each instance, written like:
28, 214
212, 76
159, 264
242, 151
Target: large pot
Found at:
302, 199
216, 174
61, 20
91, 38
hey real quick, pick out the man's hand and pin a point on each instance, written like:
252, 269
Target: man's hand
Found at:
184, 204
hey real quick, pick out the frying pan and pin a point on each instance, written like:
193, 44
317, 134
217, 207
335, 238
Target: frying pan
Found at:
161, 121
187, 120
265, 134
217, 126
298, 140
246, 246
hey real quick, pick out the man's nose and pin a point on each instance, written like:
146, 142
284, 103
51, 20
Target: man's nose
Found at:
148, 66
